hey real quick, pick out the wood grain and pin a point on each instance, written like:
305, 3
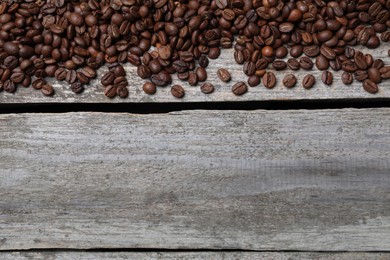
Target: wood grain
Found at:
94, 92
192, 255
311, 180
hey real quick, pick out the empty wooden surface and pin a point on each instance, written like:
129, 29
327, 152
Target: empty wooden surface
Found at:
94, 92
193, 255
312, 180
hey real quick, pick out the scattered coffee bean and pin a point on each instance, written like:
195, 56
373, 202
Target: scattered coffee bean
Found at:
269, 80
289, 81
370, 86
347, 78
149, 88
327, 77
224, 75
240, 88
177, 91
308, 81
207, 88
254, 80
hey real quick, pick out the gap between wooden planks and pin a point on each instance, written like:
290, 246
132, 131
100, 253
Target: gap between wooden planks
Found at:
94, 92
303, 180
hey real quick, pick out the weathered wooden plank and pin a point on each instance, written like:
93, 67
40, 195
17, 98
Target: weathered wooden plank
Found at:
94, 93
58, 255
263, 180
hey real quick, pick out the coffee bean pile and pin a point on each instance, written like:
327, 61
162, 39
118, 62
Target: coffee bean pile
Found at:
70, 40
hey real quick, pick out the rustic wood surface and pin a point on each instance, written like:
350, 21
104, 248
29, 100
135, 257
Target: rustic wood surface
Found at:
311, 180
193, 255
94, 92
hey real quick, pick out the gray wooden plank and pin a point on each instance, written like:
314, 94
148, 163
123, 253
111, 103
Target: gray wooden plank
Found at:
312, 180
94, 93
58, 255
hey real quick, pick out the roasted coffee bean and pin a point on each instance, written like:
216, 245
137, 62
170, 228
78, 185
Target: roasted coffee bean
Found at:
108, 79
143, 72
122, 91
311, 51
177, 91
308, 81
203, 61
249, 68
77, 87
201, 74
38, 83
47, 90
306, 63
120, 82
370, 86
327, 77
269, 80
374, 75
17, 77
385, 72
192, 79
327, 52
60, 74
254, 80
9, 86
110, 91
289, 81
279, 65
224, 75
240, 88
293, 64
207, 88
360, 61
361, 75
347, 78
149, 88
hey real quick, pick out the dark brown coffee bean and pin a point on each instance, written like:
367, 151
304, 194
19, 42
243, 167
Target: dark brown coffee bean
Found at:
201, 74
269, 80
327, 77
254, 80
374, 75
110, 91
47, 90
9, 86
349, 66
360, 60
385, 72
370, 86
177, 91
38, 83
71, 76
306, 63
207, 88
11, 62
12, 48
203, 61
327, 52
308, 81
143, 72
239, 57
224, 75
108, 79
149, 88
293, 64
122, 91
279, 65
361, 75
192, 79
120, 82
289, 81
17, 77
221, 4
240, 88
77, 87
311, 50
347, 78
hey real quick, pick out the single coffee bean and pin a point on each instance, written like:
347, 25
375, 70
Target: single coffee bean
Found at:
177, 91
240, 88
203, 61
327, 77
47, 90
360, 61
143, 72
289, 81
201, 74
17, 77
120, 82
122, 91
293, 64
361, 75
385, 72
370, 86
9, 86
249, 68
327, 52
254, 80
311, 50
374, 75
149, 88
77, 87
308, 81
269, 80
207, 88
224, 75
60, 74
279, 65
38, 83
306, 63
107, 79
183, 76
347, 78
192, 79
110, 91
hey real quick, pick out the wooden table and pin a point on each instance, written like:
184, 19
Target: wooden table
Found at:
196, 184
